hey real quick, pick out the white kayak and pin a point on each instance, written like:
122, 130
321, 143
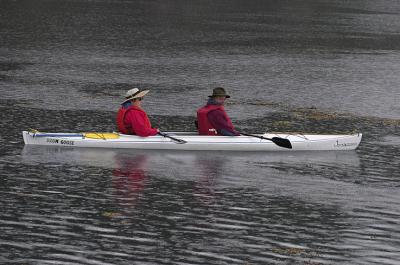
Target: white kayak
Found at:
193, 141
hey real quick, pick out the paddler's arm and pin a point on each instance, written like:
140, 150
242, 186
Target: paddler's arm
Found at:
218, 121
138, 123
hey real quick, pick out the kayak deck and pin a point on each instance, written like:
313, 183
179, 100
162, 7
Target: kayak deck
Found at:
300, 142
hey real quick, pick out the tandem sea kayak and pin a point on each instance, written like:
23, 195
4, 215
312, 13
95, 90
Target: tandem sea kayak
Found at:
193, 141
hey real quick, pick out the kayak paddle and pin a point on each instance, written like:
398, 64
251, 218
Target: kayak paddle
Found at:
282, 142
176, 140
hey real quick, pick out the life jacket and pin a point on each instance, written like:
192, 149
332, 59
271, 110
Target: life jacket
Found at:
126, 128
120, 120
204, 126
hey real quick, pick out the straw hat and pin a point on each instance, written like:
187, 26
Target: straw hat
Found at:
134, 93
219, 92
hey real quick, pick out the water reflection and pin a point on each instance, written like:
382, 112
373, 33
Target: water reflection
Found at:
206, 171
202, 207
185, 164
204, 187
129, 178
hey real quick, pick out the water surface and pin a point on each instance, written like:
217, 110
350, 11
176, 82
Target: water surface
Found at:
308, 66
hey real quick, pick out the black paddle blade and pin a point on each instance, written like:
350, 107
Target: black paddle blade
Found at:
282, 142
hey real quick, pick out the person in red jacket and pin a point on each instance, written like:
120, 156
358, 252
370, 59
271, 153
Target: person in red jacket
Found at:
131, 118
212, 118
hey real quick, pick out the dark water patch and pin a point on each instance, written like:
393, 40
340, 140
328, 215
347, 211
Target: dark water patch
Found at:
42, 81
119, 89
344, 41
39, 81
353, 41
107, 89
266, 103
13, 66
380, 163
175, 88
390, 140
8, 67
349, 10
5, 78
360, 52
345, 172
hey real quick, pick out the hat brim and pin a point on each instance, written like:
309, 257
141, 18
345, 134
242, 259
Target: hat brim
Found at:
213, 96
138, 95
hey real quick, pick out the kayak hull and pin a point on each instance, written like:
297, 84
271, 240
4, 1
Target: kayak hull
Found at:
299, 142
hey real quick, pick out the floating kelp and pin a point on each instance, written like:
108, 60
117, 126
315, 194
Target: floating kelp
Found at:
111, 214
313, 120
394, 122
314, 114
258, 103
283, 124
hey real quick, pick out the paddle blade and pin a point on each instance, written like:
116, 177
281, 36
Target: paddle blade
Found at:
282, 142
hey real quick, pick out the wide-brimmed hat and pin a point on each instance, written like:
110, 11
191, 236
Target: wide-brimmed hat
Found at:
134, 93
219, 92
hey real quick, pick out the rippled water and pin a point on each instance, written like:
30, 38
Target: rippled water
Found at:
309, 66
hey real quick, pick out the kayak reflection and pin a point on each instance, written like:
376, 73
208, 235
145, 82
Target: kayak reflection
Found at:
206, 169
209, 170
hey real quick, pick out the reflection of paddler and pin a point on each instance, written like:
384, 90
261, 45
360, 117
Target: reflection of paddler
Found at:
204, 186
129, 177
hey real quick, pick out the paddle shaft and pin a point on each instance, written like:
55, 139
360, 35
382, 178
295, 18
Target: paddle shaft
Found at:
257, 136
180, 141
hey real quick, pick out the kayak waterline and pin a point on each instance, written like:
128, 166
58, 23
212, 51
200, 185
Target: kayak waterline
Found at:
193, 141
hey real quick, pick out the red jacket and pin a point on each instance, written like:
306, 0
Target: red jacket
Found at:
205, 126
134, 120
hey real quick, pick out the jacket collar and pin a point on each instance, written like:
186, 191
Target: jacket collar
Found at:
211, 101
